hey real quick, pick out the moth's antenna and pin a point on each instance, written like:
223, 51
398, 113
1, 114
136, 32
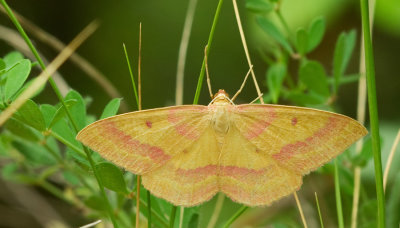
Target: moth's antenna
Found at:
256, 98
244, 82
208, 76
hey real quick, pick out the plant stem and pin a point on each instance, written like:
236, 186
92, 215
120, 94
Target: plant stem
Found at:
373, 111
131, 74
235, 216
210, 38
338, 197
319, 211
148, 209
172, 217
61, 99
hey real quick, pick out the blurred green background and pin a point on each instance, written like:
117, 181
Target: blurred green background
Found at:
162, 23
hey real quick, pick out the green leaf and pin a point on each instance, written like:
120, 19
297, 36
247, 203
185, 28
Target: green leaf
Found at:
269, 28
2, 64
315, 33
16, 77
112, 177
275, 76
8, 171
111, 108
48, 112
12, 58
312, 74
60, 113
343, 51
24, 131
302, 99
365, 156
79, 159
194, 221
302, 41
259, 6
96, 202
25, 86
78, 111
30, 114
71, 178
34, 153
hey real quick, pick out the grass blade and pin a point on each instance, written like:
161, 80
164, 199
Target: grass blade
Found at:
319, 211
339, 208
373, 111
203, 66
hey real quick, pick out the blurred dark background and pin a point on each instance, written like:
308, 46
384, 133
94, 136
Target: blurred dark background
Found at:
162, 23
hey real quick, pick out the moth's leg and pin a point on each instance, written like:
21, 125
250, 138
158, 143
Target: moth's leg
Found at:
208, 76
244, 82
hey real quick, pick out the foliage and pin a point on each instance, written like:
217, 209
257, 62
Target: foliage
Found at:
40, 146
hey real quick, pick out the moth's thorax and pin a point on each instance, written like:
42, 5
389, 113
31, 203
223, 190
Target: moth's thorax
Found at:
220, 106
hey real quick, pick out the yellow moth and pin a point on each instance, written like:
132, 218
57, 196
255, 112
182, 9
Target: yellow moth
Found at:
254, 153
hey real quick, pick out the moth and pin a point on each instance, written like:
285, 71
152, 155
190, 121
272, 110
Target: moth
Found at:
253, 153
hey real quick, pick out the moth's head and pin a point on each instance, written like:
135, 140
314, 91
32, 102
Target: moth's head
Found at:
221, 97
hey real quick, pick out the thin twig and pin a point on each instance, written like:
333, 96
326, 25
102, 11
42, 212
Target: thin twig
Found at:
390, 159
91, 224
246, 50
319, 210
300, 209
183, 47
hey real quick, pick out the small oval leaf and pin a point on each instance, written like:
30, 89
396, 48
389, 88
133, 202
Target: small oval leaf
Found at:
111, 108
30, 114
269, 28
313, 75
112, 177
315, 33
16, 77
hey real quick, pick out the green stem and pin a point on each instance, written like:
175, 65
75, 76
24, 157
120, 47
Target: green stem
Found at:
67, 143
319, 211
61, 99
235, 216
131, 74
172, 217
159, 217
373, 111
210, 38
148, 209
339, 208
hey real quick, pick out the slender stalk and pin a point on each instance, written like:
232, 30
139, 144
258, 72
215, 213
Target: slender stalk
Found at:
217, 211
183, 47
319, 211
361, 108
246, 50
172, 217
137, 201
373, 111
303, 219
235, 216
390, 159
159, 217
65, 142
131, 74
148, 209
61, 99
338, 197
210, 38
